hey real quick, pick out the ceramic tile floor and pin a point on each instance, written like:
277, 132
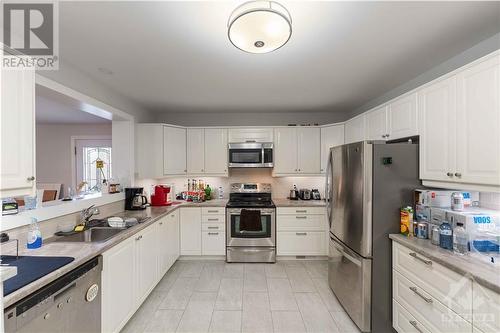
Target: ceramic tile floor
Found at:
213, 296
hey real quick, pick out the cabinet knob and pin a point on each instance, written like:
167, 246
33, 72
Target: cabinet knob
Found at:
185, 170
202, 170
383, 135
387, 135
449, 174
161, 223
295, 170
458, 174
30, 179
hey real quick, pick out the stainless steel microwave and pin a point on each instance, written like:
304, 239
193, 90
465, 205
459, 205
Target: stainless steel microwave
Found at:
251, 155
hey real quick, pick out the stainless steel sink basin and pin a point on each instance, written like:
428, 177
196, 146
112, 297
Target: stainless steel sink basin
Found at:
96, 234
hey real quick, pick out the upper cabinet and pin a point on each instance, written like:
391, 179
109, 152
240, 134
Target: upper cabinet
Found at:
17, 123
251, 135
355, 129
331, 136
297, 151
460, 128
402, 117
376, 124
174, 151
207, 151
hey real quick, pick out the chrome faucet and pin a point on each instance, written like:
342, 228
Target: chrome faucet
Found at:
87, 213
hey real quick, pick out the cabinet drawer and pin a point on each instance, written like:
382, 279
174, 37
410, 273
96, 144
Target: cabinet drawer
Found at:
301, 223
301, 243
445, 285
213, 227
426, 308
213, 218
213, 211
486, 309
404, 322
300, 210
213, 243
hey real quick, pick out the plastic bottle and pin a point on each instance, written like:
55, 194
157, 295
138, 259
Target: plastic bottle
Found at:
460, 240
446, 236
34, 239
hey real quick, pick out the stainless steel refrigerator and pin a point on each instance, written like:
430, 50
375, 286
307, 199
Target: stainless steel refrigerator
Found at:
366, 185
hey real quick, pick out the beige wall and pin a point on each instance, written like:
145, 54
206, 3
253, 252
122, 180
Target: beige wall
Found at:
53, 150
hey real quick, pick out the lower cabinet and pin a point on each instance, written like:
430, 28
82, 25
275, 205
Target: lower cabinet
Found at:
214, 243
146, 254
303, 243
486, 309
191, 231
203, 231
168, 242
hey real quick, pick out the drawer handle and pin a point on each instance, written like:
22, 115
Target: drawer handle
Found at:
414, 289
415, 324
213, 227
301, 217
301, 211
213, 233
161, 223
427, 262
213, 219
301, 233
213, 211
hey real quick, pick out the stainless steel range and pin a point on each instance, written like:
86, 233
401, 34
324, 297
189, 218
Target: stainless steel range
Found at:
251, 224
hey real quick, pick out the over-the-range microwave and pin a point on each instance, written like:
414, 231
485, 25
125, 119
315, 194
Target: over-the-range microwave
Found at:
251, 155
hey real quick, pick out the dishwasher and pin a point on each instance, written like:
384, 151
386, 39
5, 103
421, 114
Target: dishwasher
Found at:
72, 303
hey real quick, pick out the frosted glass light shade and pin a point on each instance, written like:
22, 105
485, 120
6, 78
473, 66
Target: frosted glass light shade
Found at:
260, 26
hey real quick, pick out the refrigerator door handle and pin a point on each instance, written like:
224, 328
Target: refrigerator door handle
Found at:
346, 255
328, 189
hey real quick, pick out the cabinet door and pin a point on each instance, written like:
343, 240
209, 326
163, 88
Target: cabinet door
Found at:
403, 120
436, 110
214, 243
285, 150
174, 151
118, 286
163, 245
331, 136
309, 150
195, 150
355, 129
478, 125
486, 310
173, 238
190, 231
149, 150
17, 132
251, 134
216, 151
376, 124
146, 259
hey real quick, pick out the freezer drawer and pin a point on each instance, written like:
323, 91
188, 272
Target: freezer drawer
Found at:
349, 276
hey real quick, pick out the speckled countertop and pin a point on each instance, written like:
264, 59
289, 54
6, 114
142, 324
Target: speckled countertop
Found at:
280, 202
6, 272
470, 265
83, 252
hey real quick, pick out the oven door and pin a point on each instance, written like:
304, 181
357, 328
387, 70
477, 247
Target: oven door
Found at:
264, 235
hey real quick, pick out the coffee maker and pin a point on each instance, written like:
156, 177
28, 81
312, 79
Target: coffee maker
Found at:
134, 199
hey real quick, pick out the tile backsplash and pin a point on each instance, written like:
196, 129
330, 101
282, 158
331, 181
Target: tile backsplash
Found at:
490, 200
281, 186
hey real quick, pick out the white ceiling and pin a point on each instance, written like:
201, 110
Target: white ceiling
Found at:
175, 56
54, 108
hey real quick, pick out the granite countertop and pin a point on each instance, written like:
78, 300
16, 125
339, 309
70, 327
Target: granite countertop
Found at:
82, 252
6, 272
283, 202
487, 275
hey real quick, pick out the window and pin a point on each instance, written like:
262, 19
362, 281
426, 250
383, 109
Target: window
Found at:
93, 162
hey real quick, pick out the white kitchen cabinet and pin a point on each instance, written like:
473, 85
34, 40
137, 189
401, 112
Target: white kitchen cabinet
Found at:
118, 286
308, 150
297, 150
190, 231
149, 151
331, 136
376, 124
301, 243
195, 150
478, 123
486, 309
437, 105
355, 129
173, 237
168, 240
402, 119
214, 243
251, 135
17, 135
174, 151
285, 150
146, 261
216, 151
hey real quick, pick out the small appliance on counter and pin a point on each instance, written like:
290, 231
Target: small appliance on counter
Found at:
305, 194
9, 206
161, 195
294, 194
135, 199
315, 194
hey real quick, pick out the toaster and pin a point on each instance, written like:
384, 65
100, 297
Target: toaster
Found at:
305, 194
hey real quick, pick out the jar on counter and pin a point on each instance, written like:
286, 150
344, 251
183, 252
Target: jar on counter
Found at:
457, 201
434, 235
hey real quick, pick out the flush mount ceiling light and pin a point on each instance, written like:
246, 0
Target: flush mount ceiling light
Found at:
259, 26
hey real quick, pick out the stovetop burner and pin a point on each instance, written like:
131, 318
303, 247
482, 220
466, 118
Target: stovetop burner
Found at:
256, 195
